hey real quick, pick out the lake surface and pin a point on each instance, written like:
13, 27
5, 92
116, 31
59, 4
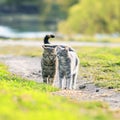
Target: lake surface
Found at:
7, 32
24, 26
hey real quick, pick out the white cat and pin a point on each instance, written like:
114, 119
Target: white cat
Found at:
68, 64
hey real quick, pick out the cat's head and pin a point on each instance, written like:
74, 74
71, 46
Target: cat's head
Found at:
62, 52
49, 50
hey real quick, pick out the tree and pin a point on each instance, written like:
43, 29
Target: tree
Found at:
92, 16
65, 5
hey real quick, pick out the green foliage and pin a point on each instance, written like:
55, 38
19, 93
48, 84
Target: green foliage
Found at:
57, 10
66, 4
92, 16
22, 100
51, 13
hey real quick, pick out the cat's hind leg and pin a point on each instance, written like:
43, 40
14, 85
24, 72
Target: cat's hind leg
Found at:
45, 80
68, 80
50, 80
61, 77
74, 81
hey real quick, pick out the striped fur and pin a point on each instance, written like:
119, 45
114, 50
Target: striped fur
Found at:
48, 65
48, 61
65, 64
68, 64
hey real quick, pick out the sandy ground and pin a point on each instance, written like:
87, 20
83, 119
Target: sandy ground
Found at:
29, 67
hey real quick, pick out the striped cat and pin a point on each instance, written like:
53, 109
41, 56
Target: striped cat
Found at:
48, 61
68, 64
48, 65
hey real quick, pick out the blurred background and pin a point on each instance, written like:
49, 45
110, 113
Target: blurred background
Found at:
69, 19
91, 27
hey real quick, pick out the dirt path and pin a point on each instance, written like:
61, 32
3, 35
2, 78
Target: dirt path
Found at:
29, 67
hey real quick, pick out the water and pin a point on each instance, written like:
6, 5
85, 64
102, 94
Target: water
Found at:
7, 32
24, 26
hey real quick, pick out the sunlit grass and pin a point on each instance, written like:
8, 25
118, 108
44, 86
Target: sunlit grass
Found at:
22, 100
103, 64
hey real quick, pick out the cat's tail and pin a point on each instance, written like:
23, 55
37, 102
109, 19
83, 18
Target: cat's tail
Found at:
46, 38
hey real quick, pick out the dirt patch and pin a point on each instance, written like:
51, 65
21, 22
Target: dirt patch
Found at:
29, 67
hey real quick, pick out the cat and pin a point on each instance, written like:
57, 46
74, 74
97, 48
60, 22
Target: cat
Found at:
48, 61
48, 64
68, 64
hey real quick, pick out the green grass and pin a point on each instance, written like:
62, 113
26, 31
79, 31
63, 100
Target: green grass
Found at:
27, 100
101, 64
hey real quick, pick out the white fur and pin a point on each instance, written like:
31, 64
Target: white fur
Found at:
70, 82
74, 68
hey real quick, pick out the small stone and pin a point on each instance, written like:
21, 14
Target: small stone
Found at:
65, 88
82, 87
110, 87
97, 90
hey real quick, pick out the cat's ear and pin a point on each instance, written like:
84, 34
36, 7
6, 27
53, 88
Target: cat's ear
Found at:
43, 47
57, 48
